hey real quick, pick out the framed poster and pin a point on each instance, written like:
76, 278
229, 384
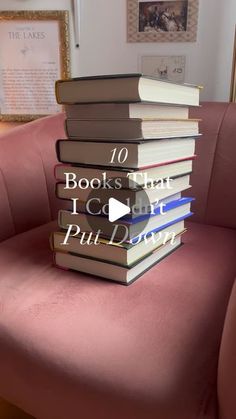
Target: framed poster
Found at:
34, 53
233, 77
162, 21
170, 68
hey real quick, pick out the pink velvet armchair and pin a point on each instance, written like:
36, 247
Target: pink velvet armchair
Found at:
72, 346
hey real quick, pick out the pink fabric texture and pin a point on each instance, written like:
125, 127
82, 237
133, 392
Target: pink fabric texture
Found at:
75, 346
27, 187
227, 363
214, 174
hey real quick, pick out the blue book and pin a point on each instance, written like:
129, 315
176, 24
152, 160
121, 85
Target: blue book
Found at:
125, 230
156, 210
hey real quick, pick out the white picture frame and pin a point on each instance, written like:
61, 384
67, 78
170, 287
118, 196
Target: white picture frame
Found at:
165, 67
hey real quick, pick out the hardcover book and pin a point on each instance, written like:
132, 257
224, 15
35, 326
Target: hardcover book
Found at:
126, 111
124, 254
125, 88
132, 196
136, 155
130, 130
114, 272
98, 175
126, 229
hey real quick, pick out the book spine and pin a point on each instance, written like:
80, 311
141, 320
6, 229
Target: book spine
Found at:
57, 146
55, 171
66, 128
56, 190
51, 241
58, 266
59, 221
57, 92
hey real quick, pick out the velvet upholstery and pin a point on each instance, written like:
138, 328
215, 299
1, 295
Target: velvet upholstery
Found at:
27, 187
72, 346
9, 411
214, 174
227, 363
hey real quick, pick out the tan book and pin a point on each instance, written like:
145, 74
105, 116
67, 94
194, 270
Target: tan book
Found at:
128, 130
125, 155
126, 111
125, 88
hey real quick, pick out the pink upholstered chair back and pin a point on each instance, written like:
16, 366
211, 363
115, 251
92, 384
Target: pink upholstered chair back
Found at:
214, 175
227, 363
27, 159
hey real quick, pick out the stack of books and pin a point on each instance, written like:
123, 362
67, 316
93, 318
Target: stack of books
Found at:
125, 165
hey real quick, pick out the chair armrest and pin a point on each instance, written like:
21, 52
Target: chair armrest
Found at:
27, 184
227, 363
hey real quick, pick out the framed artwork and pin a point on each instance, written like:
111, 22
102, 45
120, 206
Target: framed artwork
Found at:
162, 21
34, 53
233, 78
171, 68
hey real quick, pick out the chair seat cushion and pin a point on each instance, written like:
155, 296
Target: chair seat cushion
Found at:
74, 346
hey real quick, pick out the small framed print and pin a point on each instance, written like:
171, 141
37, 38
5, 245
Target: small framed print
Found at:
162, 21
171, 68
34, 53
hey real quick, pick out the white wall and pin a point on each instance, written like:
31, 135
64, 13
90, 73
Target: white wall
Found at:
104, 48
225, 50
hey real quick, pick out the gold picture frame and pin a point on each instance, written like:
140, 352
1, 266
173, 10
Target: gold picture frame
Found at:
39, 45
233, 77
162, 21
